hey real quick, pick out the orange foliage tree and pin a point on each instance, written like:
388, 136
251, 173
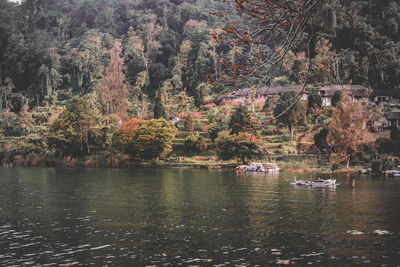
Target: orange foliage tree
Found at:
348, 129
122, 138
112, 88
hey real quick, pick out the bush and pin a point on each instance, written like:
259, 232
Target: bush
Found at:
153, 139
122, 138
213, 129
195, 143
243, 145
189, 123
376, 166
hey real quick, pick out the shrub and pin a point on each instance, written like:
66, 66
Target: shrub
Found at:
376, 166
213, 129
153, 139
195, 143
123, 136
243, 145
189, 123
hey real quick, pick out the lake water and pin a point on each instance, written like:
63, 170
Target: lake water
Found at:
104, 217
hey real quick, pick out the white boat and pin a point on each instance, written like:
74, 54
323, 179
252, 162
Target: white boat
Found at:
395, 173
365, 171
319, 183
258, 167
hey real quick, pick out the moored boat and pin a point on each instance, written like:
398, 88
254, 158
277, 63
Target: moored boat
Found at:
319, 183
395, 173
258, 167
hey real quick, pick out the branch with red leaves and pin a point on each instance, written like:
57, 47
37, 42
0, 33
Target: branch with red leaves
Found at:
265, 30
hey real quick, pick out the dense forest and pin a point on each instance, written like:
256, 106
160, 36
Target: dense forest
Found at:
148, 58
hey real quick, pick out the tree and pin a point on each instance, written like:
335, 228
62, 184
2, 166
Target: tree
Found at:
159, 110
266, 32
189, 123
5, 94
320, 140
154, 139
213, 129
123, 137
195, 143
180, 103
314, 104
72, 131
144, 45
243, 145
25, 119
180, 72
200, 94
112, 88
139, 101
336, 98
291, 110
348, 129
10, 124
325, 67
240, 120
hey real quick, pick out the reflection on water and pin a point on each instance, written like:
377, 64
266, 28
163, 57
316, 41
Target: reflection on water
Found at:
101, 217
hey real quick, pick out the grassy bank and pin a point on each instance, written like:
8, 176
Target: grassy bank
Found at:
288, 163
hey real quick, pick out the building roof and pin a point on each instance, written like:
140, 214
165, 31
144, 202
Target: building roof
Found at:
394, 115
383, 92
264, 91
313, 151
354, 90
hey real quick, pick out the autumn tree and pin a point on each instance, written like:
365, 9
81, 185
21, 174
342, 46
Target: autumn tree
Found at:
112, 88
290, 112
123, 137
348, 129
325, 66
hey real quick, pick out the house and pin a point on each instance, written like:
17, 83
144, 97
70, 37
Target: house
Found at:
261, 94
394, 118
357, 92
382, 95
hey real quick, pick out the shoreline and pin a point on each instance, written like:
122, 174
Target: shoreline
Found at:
289, 167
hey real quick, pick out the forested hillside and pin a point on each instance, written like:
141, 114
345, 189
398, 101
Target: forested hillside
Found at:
151, 58
55, 49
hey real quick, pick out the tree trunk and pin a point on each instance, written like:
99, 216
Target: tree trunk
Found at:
291, 130
348, 162
87, 144
108, 114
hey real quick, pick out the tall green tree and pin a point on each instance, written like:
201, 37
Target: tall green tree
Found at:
290, 112
240, 120
72, 131
159, 110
